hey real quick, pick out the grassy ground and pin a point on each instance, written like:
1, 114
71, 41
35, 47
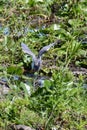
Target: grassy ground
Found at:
62, 103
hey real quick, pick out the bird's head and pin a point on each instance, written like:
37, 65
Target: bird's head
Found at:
36, 64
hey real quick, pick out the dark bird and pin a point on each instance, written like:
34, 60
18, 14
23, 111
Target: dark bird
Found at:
36, 60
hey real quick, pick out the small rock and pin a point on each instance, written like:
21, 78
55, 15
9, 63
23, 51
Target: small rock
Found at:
20, 127
4, 88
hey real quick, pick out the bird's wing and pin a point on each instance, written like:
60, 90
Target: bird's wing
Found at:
46, 48
26, 50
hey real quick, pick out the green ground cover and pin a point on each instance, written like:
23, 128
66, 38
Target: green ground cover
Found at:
62, 101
